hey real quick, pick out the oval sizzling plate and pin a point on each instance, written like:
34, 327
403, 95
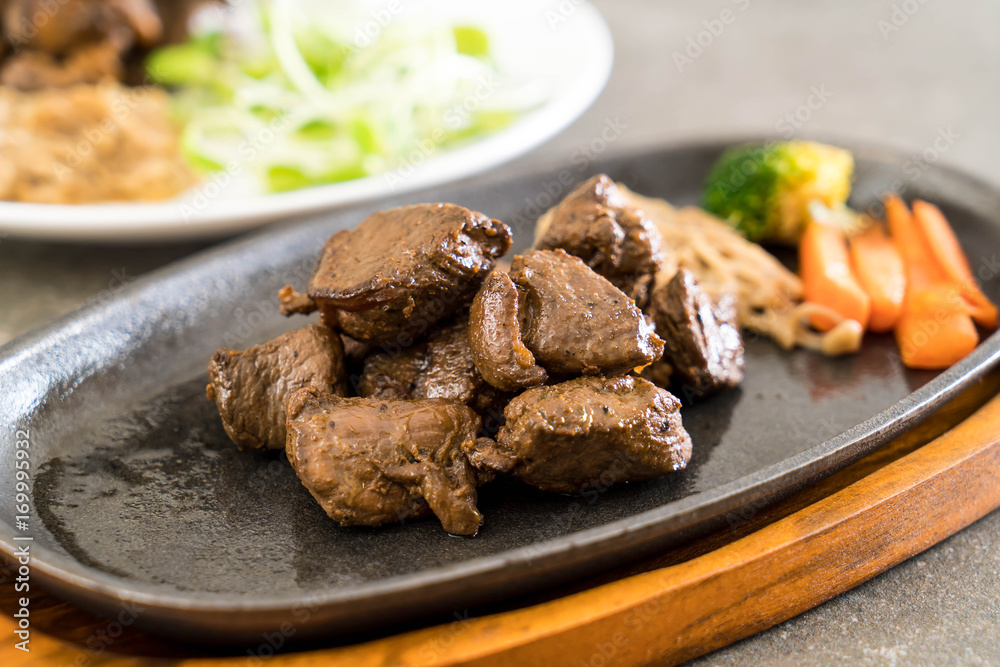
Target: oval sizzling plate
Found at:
138, 496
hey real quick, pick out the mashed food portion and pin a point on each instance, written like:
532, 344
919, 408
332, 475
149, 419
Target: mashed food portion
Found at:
89, 143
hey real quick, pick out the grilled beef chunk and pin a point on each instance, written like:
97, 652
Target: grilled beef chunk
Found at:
495, 337
570, 319
591, 432
393, 375
440, 367
703, 342
369, 461
451, 373
577, 321
401, 271
251, 387
595, 223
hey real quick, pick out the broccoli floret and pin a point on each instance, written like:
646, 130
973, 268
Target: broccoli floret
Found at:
765, 191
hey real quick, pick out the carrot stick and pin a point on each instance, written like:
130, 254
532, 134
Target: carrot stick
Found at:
920, 268
935, 329
951, 260
881, 273
933, 332
827, 277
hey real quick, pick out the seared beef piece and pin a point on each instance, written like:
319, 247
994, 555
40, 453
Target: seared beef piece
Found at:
595, 223
403, 270
369, 462
355, 351
393, 375
591, 432
251, 387
703, 342
495, 337
440, 367
451, 373
577, 321
572, 320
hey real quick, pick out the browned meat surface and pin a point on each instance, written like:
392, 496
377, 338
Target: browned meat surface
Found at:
595, 223
495, 337
440, 367
703, 342
401, 271
393, 375
450, 372
570, 321
251, 387
575, 321
369, 461
590, 433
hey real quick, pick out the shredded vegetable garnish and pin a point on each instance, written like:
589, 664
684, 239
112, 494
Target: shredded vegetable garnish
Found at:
768, 296
305, 93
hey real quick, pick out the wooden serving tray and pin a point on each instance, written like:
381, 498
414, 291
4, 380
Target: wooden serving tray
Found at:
765, 568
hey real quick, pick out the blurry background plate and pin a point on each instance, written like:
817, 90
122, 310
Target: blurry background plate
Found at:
566, 47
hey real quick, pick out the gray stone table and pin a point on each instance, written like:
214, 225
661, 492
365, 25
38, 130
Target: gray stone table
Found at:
895, 72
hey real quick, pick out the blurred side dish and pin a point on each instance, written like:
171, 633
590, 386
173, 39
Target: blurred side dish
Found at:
284, 95
89, 143
72, 131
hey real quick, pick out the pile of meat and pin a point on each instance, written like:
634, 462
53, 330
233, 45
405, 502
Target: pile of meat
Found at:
433, 370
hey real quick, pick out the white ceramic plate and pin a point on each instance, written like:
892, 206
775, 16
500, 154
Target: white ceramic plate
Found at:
566, 45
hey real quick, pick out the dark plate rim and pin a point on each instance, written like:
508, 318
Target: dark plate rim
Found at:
756, 488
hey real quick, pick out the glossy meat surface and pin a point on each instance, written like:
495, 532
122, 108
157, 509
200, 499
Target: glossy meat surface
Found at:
393, 375
592, 432
251, 387
702, 340
370, 462
554, 316
440, 367
401, 271
576, 322
595, 223
495, 337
